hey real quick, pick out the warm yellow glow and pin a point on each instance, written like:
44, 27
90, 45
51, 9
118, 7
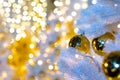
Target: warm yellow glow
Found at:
84, 5
30, 55
47, 78
33, 28
63, 33
10, 57
47, 50
18, 37
42, 0
23, 35
84, 0
7, 14
106, 64
4, 74
57, 29
25, 8
56, 67
32, 46
57, 3
69, 18
45, 55
67, 2
76, 30
31, 62
12, 1
18, 30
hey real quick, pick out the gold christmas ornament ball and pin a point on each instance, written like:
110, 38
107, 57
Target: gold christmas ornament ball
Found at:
81, 43
98, 46
111, 65
98, 43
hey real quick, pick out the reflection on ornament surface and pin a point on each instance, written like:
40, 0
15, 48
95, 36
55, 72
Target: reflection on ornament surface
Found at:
98, 43
111, 65
81, 43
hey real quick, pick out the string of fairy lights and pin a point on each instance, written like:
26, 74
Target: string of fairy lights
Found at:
61, 9
26, 19
20, 14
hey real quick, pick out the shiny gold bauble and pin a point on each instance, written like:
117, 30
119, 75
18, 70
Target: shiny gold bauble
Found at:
81, 43
111, 65
98, 43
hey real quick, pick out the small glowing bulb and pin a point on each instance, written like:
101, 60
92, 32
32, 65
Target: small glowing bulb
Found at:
69, 18
94, 1
7, 10
57, 3
56, 67
25, 8
61, 19
30, 55
4, 74
116, 65
73, 13
42, 0
32, 46
76, 56
84, 6
106, 64
12, 30
57, 29
18, 21
10, 57
31, 62
33, 28
118, 25
115, 4
45, 55
67, 2
33, 3
18, 11
77, 6
40, 62
8, 20
18, 37
18, 30
5, 4
25, 13
28, 18
76, 30
50, 67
